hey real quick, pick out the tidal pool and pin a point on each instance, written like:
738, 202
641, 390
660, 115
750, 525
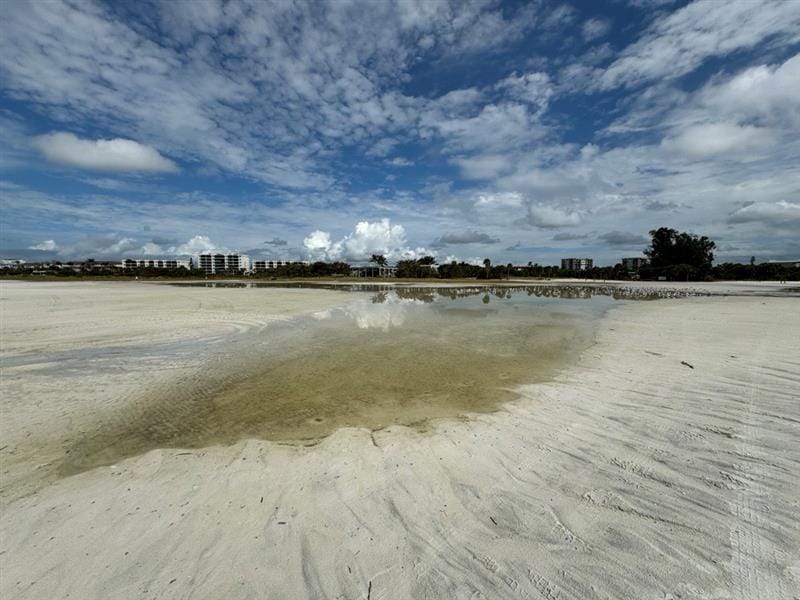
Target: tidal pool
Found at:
393, 357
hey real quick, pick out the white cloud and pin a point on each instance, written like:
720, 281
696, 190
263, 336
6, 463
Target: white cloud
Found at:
681, 41
472, 260
113, 246
102, 155
485, 128
774, 213
589, 151
391, 312
107, 246
318, 244
209, 89
499, 200
334, 82
533, 88
551, 217
199, 243
45, 245
595, 28
195, 245
368, 238
483, 166
766, 93
718, 138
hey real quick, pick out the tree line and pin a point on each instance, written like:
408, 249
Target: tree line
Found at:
672, 255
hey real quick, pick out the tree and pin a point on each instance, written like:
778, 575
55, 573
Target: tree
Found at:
679, 255
378, 259
420, 267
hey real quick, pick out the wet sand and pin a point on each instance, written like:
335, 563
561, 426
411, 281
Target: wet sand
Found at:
662, 463
397, 357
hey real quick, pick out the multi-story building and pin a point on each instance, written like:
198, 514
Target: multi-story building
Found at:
376, 271
261, 265
634, 263
156, 263
217, 262
576, 264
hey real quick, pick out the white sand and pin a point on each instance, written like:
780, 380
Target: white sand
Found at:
630, 476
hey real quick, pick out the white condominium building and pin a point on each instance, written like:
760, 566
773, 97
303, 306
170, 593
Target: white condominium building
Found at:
261, 265
156, 263
217, 262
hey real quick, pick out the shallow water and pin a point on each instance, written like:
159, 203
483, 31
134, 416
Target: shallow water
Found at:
406, 357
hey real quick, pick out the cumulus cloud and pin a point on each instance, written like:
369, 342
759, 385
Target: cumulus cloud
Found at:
389, 313
45, 245
319, 245
199, 243
621, 239
107, 246
102, 155
113, 246
195, 245
368, 238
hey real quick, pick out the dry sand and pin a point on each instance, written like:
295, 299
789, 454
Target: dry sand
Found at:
631, 475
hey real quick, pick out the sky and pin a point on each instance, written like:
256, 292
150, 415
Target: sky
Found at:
518, 131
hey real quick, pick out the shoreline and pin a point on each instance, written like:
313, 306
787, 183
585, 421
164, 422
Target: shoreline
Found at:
661, 463
716, 287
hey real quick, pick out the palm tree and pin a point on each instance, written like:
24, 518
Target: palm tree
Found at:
378, 259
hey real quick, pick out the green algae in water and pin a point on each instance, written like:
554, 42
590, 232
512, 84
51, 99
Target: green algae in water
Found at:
397, 358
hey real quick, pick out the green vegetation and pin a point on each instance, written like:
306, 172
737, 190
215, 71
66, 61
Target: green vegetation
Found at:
378, 259
673, 255
678, 256
420, 268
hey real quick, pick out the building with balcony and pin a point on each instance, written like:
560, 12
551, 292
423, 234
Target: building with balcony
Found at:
576, 264
268, 264
374, 271
215, 263
156, 263
633, 264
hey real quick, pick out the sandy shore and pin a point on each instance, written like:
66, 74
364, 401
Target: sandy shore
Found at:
662, 464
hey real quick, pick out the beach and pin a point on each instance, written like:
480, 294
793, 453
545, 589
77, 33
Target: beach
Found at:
661, 462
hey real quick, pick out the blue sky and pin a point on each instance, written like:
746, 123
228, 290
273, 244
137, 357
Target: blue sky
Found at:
521, 131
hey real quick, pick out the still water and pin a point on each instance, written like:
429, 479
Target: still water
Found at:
390, 357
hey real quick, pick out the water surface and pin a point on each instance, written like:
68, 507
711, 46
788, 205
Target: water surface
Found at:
394, 357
